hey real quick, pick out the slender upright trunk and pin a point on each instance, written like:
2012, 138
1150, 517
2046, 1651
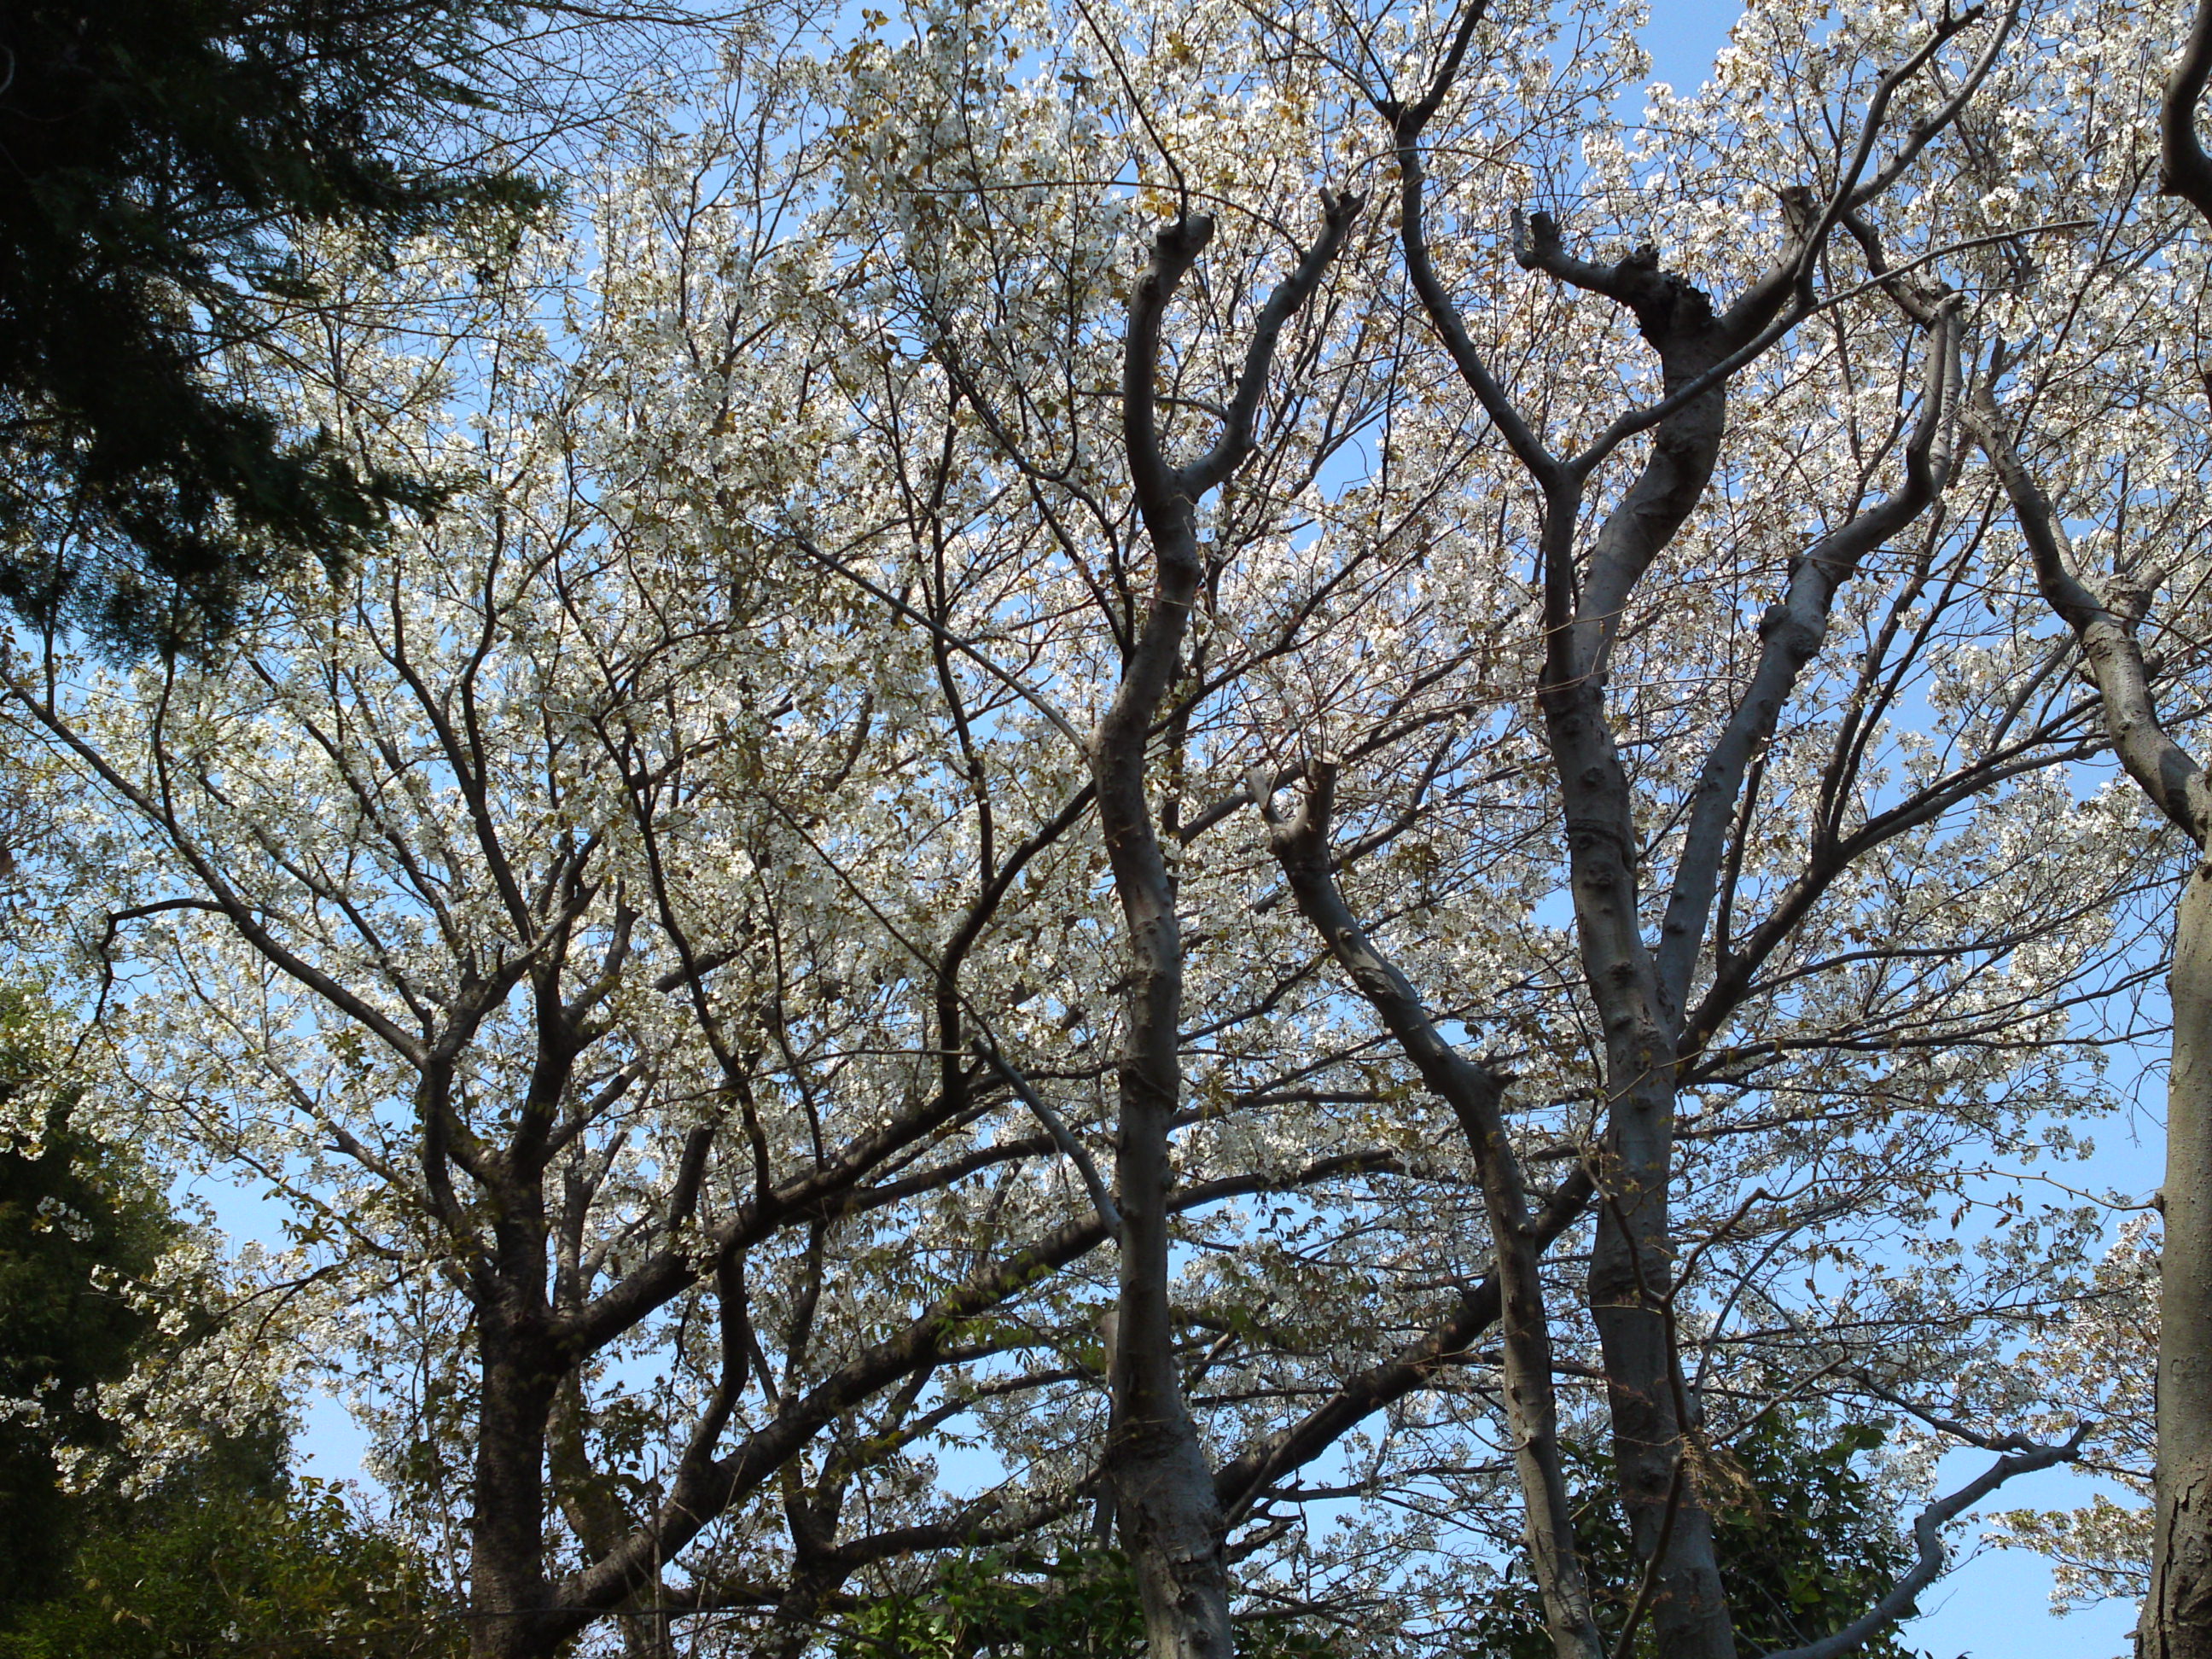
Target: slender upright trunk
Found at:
1632, 1269
1164, 1498
1632, 1274
1163, 1492
2176, 1622
1163, 1488
508, 1591
1476, 1095
2177, 1616
2177, 1619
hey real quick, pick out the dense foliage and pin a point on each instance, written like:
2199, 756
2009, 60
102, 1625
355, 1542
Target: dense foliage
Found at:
163, 157
81, 1224
228, 1556
1807, 1541
1075, 1603
217, 1551
1262, 769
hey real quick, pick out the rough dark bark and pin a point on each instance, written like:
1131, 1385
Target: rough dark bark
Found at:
508, 1594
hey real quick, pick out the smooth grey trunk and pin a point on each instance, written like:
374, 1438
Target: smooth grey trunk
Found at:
1639, 989
2176, 1622
2177, 1617
1641, 993
1163, 1489
1585, 593
1631, 1274
1475, 1094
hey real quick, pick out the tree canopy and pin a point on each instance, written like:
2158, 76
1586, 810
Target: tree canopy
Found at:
1262, 794
212, 1546
81, 1224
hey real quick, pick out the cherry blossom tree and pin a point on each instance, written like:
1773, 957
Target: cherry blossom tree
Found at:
1188, 777
2104, 593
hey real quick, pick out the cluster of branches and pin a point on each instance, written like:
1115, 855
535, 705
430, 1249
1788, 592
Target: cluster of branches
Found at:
1515, 787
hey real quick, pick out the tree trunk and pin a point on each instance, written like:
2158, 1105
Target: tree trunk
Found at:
1631, 1268
1163, 1488
2177, 1619
509, 1596
1164, 1498
1163, 1492
1475, 1093
1656, 1469
2177, 1615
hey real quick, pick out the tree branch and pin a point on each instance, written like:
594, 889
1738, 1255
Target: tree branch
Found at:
1928, 1535
2184, 170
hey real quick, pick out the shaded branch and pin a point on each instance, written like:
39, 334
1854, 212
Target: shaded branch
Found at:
2184, 170
1928, 1536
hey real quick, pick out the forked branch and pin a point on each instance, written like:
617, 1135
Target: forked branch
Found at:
1932, 1554
2184, 169
2173, 777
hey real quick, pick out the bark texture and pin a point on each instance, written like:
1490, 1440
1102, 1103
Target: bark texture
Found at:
2177, 1619
1164, 1490
2177, 1616
509, 1593
1631, 1274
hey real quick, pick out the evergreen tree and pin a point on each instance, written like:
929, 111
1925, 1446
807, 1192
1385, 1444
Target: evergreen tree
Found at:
232, 1556
1075, 1603
1807, 1542
78, 1222
225, 1552
156, 158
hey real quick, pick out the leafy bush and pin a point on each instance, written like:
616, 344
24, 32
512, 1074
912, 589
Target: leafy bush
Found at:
1807, 1543
1078, 1603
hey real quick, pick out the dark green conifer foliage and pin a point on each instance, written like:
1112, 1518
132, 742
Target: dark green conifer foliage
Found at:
1075, 1603
77, 1222
156, 158
232, 1557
